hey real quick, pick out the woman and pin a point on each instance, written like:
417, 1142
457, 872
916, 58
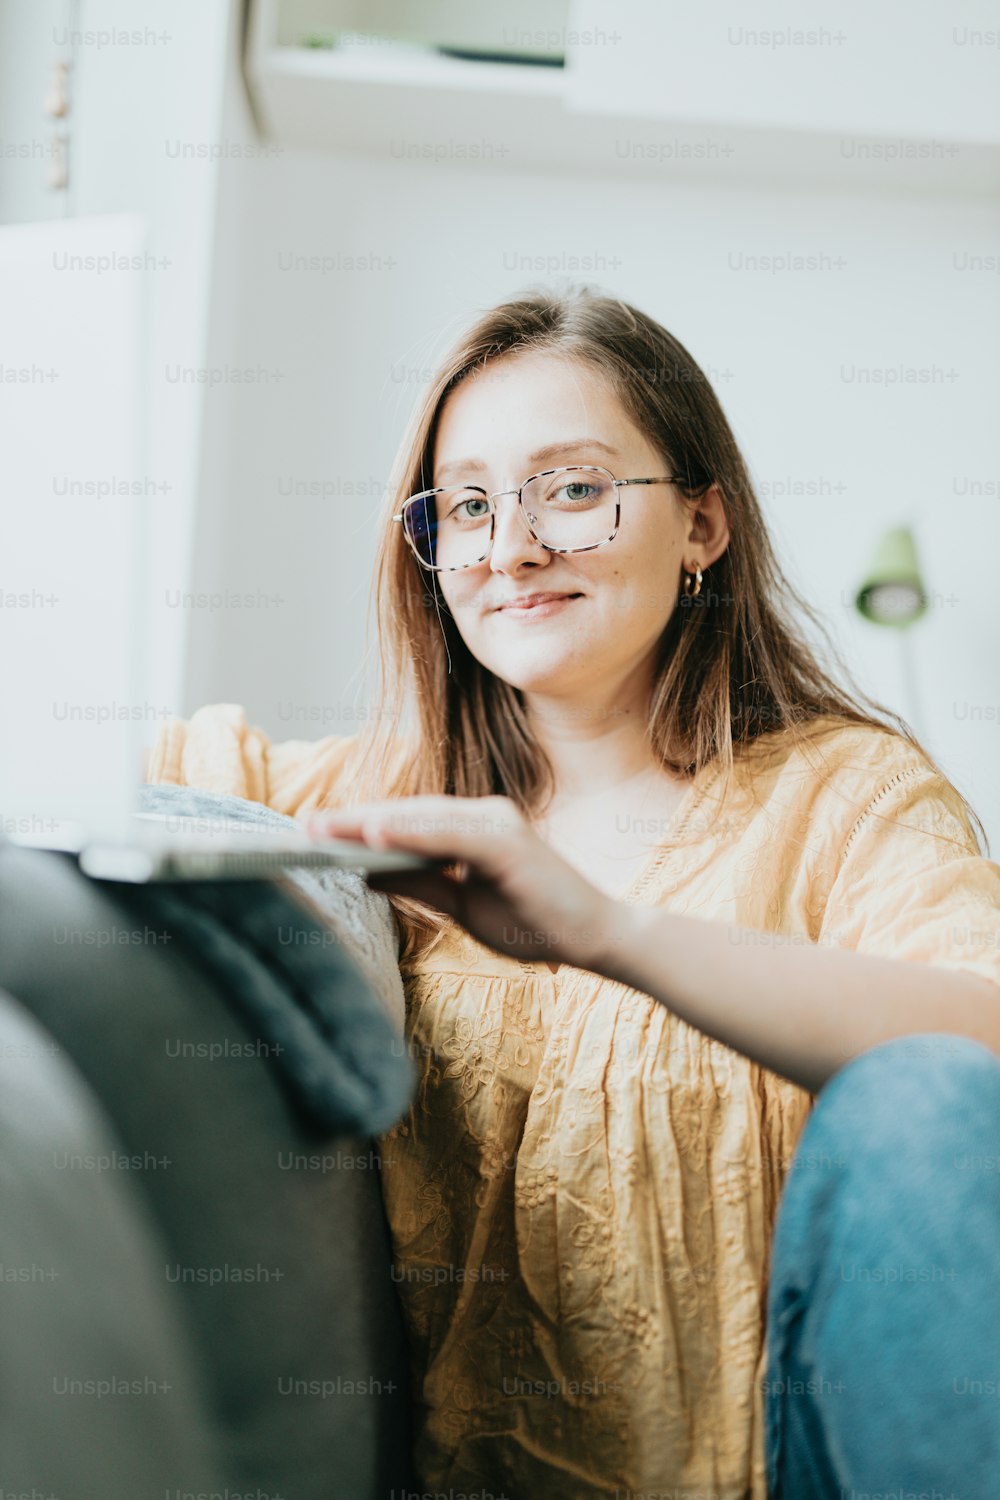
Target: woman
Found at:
687, 882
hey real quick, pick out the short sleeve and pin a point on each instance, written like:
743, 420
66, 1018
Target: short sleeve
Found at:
218, 751
911, 883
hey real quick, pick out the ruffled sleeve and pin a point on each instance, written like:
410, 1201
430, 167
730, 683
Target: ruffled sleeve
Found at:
911, 883
218, 751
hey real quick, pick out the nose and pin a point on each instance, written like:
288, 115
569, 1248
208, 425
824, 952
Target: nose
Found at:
513, 543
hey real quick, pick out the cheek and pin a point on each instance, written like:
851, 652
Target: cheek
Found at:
642, 588
460, 598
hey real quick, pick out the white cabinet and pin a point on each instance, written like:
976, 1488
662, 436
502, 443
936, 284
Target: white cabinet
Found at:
890, 69
888, 97
34, 140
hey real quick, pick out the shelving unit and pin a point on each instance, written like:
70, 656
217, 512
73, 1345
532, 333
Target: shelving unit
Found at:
407, 102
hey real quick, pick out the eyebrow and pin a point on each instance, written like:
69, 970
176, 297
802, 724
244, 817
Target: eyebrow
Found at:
543, 455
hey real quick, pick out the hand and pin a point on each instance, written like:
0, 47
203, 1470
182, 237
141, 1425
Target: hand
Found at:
511, 891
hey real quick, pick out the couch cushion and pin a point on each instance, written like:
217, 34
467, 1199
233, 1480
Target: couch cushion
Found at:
276, 1249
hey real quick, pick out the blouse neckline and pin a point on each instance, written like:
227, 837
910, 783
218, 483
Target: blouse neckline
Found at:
688, 806
691, 801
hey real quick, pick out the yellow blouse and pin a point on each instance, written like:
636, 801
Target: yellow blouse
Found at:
582, 1194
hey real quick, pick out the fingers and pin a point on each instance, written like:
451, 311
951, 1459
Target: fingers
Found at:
420, 885
481, 831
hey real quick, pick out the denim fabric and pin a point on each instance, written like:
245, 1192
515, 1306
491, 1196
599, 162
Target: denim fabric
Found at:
883, 1317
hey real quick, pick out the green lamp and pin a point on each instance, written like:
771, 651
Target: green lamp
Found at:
893, 592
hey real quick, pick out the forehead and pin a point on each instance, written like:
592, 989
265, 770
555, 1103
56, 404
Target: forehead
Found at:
522, 403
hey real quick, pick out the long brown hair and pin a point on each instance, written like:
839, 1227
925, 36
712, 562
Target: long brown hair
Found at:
726, 678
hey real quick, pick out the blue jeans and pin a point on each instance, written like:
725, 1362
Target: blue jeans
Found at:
883, 1309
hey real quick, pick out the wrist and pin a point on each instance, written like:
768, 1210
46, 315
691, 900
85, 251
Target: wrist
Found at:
617, 931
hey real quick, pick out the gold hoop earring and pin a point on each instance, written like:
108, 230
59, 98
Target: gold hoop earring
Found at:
694, 578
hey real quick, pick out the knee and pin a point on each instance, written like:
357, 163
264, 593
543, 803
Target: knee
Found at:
908, 1126
928, 1090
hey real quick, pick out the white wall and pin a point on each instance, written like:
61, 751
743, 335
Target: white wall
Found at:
142, 76
341, 349
136, 103
338, 358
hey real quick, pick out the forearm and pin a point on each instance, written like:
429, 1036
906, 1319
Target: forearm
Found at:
800, 1010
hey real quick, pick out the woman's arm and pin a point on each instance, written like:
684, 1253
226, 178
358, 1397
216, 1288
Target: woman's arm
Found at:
800, 1011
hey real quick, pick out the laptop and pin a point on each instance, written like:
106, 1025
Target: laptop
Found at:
76, 706
156, 853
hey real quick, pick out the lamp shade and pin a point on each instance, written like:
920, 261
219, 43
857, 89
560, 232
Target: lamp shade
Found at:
893, 591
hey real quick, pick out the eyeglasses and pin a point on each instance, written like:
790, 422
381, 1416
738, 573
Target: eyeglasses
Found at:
570, 509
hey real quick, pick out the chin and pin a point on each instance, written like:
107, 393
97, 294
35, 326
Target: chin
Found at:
528, 677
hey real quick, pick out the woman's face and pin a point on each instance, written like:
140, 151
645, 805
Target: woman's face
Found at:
495, 430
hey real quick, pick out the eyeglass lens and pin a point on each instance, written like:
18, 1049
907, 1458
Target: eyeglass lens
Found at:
573, 509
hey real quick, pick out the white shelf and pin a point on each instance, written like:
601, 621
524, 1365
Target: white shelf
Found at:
388, 66
395, 101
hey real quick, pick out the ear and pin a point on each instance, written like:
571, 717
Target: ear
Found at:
709, 526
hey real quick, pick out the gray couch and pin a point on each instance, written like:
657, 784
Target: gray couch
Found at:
196, 1286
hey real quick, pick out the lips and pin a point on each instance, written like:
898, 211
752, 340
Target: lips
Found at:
530, 601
